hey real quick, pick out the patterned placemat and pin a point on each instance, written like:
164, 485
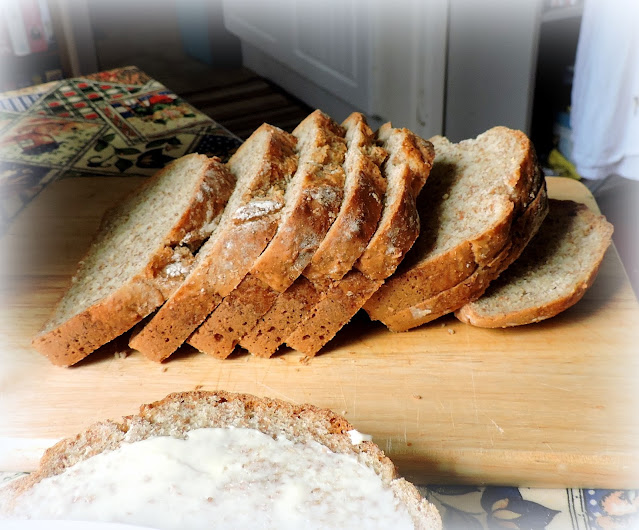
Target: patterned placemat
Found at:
120, 122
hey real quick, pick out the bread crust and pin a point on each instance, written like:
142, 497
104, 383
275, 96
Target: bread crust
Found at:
312, 206
178, 413
425, 288
343, 299
344, 243
476, 284
230, 253
311, 212
399, 227
360, 210
223, 328
74, 338
536, 311
290, 309
407, 170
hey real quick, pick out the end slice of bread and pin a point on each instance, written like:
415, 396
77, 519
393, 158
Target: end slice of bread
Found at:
141, 254
484, 200
406, 170
552, 274
263, 165
179, 415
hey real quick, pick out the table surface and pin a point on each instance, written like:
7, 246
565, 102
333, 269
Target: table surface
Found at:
122, 123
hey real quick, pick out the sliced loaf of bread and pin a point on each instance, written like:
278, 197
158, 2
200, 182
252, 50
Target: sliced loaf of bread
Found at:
312, 201
245, 459
486, 197
406, 171
343, 245
264, 165
553, 272
141, 254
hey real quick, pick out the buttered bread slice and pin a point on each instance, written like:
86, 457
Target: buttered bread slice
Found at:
141, 254
264, 166
221, 460
552, 274
312, 201
484, 200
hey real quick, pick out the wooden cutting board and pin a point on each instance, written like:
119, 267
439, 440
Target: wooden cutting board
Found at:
551, 404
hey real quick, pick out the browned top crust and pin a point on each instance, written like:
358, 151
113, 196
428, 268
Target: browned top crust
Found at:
361, 206
312, 203
410, 162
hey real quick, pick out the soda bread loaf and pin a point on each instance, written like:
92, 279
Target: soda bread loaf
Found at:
295, 464
264, 165
344, 243
484, 200
553, 272
313, 201
406, 170
304, 242
141, 254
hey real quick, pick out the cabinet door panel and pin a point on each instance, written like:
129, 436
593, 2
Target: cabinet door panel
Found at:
265, 25
328, 43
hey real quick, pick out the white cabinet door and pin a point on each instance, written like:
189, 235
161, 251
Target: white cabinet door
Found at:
266, 25
331, 47
327, 42
409, 65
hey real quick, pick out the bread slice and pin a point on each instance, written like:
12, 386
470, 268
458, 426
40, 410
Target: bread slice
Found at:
406, 171
348, 236
553, 272
176, 421
312, 204
484, 200
142, 252
263, 166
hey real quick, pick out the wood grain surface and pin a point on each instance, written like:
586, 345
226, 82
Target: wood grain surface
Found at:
550, 404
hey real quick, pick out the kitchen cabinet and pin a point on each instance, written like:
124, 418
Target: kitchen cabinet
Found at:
385, 61
444, 66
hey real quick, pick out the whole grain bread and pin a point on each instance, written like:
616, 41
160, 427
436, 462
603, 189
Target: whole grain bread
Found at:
179, 413
485, 199
344, 243
313, 201
553, 272
142, 252
263, 166
406, 171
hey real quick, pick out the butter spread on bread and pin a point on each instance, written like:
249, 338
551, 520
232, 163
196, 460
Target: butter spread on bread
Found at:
220, 460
